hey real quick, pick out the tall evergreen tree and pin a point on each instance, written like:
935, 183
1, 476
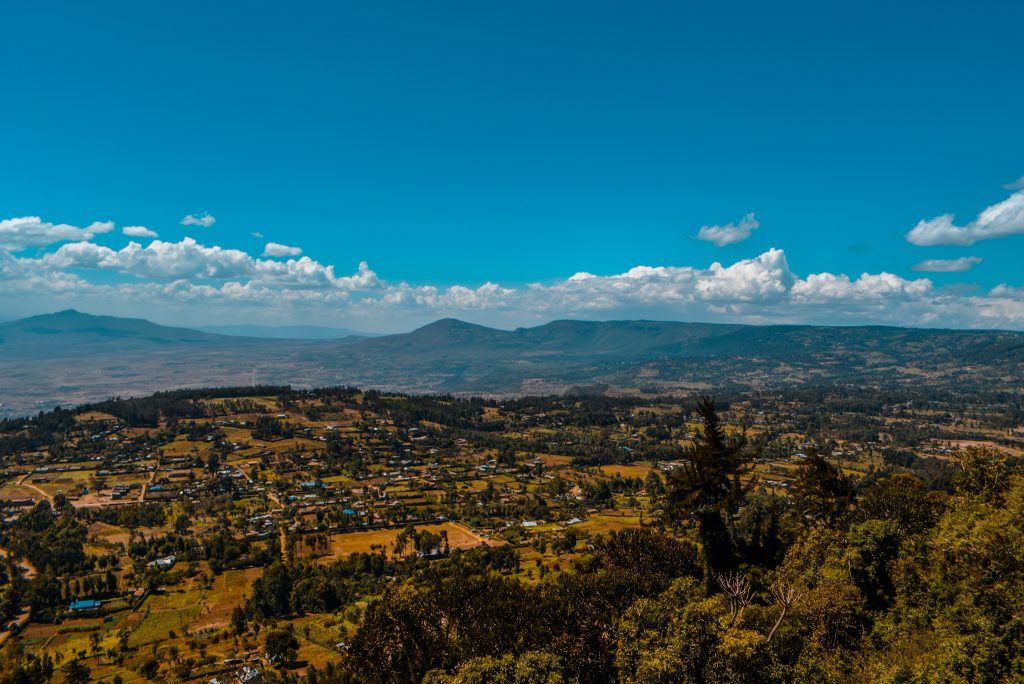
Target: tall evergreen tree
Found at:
707, 486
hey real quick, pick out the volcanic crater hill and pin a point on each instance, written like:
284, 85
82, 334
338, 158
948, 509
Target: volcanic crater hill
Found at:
73, 332
72, 357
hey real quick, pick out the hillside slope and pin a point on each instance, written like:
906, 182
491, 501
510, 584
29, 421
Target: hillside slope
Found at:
72, 357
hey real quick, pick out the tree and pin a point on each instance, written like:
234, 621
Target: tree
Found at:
758, 530
960, 590
709, 476
785, 596
654, 485
649, 554
872, 548
271, 592
453, 613
532, 667
427, 542
181, 524
76, 672
901, 499
707, 485
399, 638
149, 668
18, 667
281, 645
982, 472
830, 613
674, 638
238, 621
822, 493
740, 592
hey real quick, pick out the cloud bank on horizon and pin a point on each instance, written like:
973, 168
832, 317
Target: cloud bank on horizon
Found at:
58, 265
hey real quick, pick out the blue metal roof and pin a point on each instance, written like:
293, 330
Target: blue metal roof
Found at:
84, 604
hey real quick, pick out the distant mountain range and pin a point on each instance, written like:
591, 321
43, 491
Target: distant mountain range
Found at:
285, 332
71, 357
77, 334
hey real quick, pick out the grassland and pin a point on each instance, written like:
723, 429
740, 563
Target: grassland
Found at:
343, 545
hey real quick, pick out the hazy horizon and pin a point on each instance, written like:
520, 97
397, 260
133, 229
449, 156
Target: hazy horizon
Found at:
213, 327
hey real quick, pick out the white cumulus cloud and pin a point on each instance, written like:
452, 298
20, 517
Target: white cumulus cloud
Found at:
764, 277
17, 234
138, 231
205, 220
947, 265
188, 259
730, 233
821, 287
276, 249
999, 220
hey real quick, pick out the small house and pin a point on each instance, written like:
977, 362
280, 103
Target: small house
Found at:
84, 604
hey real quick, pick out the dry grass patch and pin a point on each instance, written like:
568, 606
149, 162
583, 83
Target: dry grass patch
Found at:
183, 447
98, 416
627, 470
230, 589
604, 523
553, 460
344, 545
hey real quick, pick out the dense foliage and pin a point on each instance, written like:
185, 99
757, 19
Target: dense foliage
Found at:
893, 583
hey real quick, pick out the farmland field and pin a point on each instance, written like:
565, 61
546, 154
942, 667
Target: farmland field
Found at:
343, 545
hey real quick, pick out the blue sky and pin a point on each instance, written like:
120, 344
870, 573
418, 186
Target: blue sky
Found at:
501, 148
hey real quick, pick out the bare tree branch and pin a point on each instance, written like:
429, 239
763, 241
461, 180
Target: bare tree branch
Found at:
786, 596
740, 592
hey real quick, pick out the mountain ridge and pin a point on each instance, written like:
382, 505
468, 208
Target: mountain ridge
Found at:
73, 357
285, 332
